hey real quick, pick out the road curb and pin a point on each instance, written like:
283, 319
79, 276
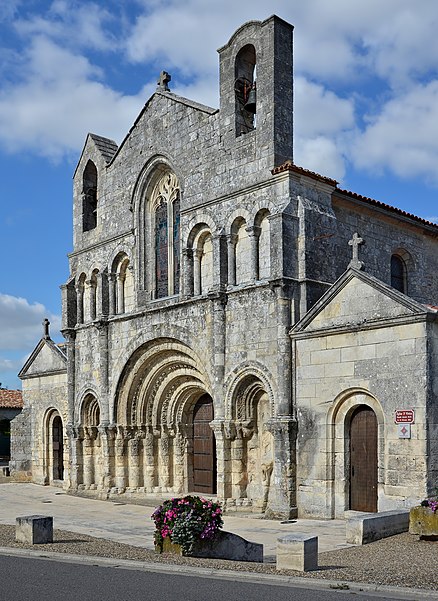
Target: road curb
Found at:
254, 577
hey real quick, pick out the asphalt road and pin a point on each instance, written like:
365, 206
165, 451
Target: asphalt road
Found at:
31, 579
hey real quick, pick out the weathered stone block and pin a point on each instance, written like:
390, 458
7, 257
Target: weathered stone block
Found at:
366, 528
297, 552
34, 529
225, 545
423, 521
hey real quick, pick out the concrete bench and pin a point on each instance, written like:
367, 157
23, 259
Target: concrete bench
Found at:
297, 552
363, 528
34, 529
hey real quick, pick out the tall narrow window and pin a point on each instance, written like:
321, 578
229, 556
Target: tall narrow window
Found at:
398, 273
89, 197
165, 202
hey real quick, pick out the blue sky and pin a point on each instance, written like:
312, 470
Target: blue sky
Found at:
366, 112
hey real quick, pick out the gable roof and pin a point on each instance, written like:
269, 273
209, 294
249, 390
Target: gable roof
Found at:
334, 303
106, 147
348, 195
11, 399
46, 359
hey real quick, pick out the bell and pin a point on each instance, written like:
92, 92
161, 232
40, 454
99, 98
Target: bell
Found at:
250, 104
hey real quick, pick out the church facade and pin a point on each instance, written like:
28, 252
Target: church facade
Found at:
236, 325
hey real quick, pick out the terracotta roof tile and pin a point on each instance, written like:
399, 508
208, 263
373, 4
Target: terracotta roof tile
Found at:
11, 399
378, 203
289, 166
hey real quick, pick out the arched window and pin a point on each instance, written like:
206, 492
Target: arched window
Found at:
93, 295
243, 255
123, 285
245, 90
89, 197
165, 204
264, 244
398, 274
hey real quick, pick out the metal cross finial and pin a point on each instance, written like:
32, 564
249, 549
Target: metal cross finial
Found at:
354, 242
46, 324
165, 77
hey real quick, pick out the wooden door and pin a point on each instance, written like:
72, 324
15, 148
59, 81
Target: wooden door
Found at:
363, 460
204, 452
58, 449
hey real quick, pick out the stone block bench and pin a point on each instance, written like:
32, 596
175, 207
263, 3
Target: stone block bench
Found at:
34, 529
297, 552
363, 528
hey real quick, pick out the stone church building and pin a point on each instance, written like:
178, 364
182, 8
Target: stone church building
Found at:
236, 325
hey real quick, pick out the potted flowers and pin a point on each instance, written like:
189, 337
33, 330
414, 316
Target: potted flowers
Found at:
423, 520
181, 524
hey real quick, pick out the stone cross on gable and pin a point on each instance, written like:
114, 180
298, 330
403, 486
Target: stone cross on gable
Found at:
355, 242
162, 86
46, 324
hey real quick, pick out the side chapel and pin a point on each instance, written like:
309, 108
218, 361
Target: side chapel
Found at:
235, 324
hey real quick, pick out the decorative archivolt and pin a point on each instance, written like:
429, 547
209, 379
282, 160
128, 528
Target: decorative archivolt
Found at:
166, 189
154, 389
244, 386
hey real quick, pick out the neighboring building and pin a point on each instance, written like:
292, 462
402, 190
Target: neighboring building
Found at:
11, 404
228, 331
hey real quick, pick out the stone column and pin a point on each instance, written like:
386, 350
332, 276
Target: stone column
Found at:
223, 458
134, 461
197, 255
218, 344
105, 433
238, 483
102, 328
187, 272
149, 460
253, 235
120, 447
120, 293
79, 304
232, 241
220, 261
88, 455
282, 486
179, 452
70, 337
75, 464
284, 349
112, 293
91, 285
164, 475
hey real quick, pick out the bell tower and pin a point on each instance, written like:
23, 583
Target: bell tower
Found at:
256, 89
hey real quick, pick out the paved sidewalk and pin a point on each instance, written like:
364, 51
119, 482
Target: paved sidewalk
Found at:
131, 524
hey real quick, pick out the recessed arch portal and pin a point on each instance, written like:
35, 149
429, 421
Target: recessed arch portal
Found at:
160, 386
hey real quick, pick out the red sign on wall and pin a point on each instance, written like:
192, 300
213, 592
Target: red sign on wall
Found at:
404, 416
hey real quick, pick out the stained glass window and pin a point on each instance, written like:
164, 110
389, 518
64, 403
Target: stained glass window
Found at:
165, 201
176, 257
161, 251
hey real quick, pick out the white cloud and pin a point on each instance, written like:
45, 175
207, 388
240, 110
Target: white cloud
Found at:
344, 52
59, 101
20, 323
8, 9
75, 25
403, 137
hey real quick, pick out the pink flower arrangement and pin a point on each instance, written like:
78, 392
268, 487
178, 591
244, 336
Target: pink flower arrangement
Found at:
187, 520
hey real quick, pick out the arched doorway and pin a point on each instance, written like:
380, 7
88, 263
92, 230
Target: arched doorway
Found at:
58, 448
363, 460
5, 439
204, 449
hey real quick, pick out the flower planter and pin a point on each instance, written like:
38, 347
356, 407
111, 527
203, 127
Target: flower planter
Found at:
167, 546
225, 545
423, 521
